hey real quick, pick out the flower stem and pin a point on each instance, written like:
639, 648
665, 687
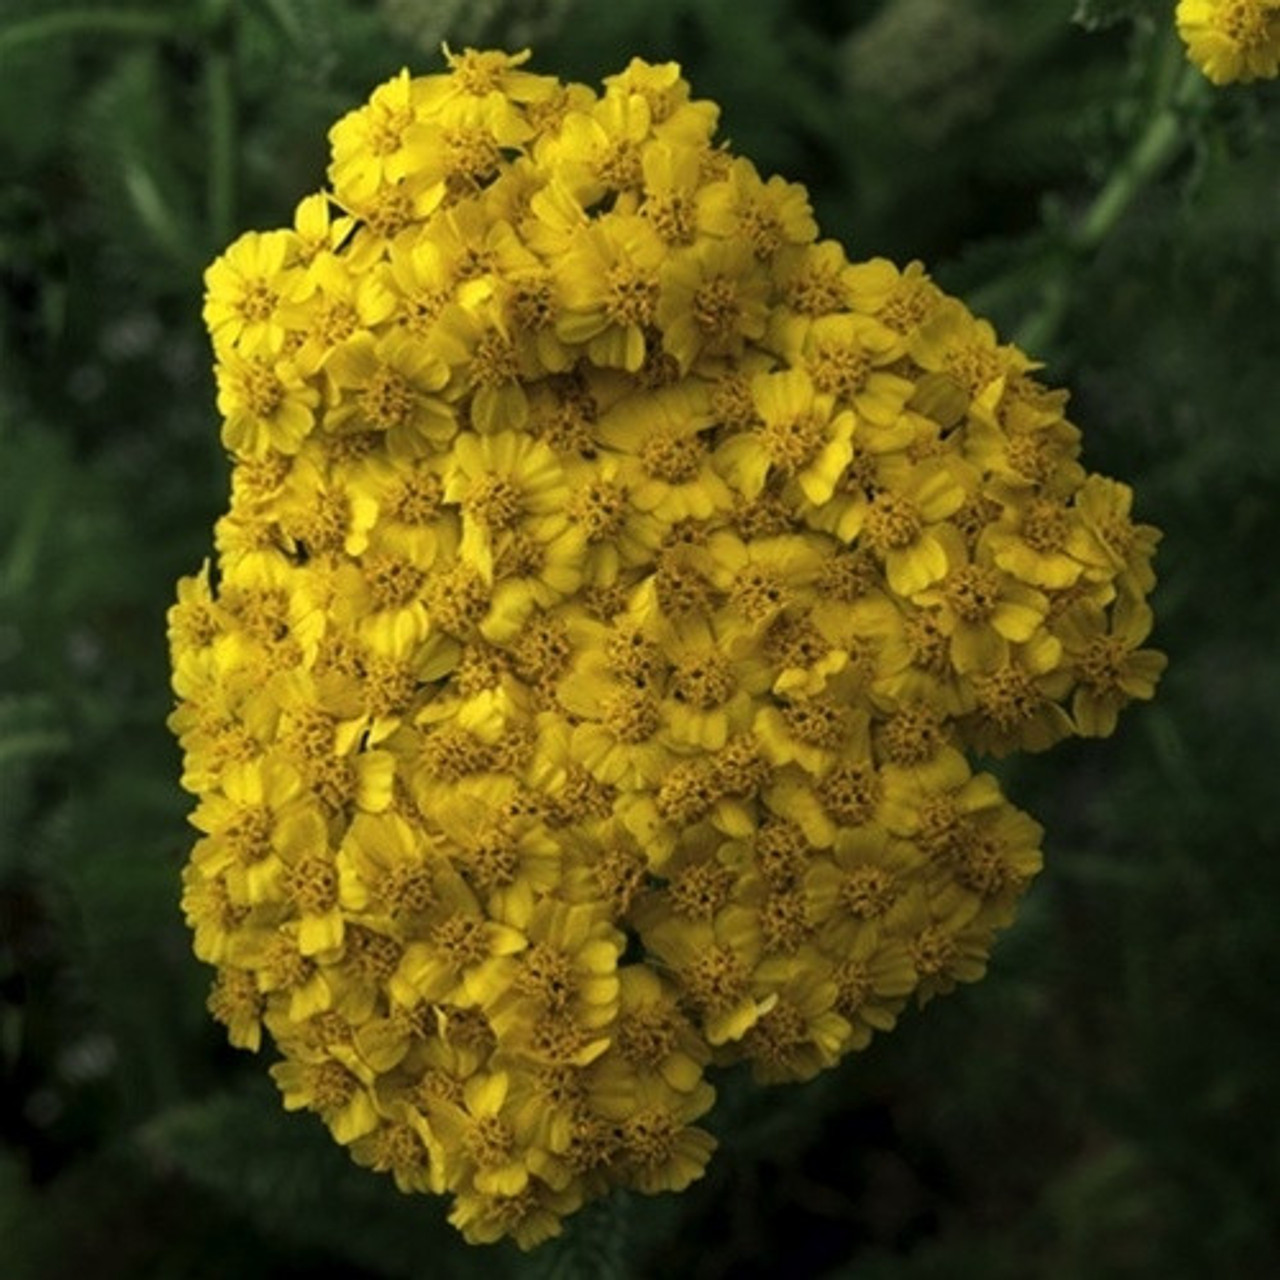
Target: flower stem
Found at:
1178, 84
220, 103
71, 22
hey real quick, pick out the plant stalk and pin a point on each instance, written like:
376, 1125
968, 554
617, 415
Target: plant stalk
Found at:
1177, 87
220, 103
74, 22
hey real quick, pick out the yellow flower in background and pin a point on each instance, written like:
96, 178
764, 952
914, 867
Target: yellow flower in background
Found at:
616, 585
1232, 40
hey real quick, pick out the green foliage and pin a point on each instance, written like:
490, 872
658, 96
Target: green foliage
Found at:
293, 1182
597, 1242
1100, 1105
1095, 15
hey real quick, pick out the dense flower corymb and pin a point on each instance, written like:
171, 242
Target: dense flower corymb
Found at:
1232, 40
616, 584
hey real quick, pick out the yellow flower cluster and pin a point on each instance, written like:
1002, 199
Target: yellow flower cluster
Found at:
615, 579
1232, 40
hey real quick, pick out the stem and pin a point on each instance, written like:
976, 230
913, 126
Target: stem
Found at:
72, 22
1178, 84
220, 102
1159, 142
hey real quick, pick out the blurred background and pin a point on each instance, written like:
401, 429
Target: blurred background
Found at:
1104, 1103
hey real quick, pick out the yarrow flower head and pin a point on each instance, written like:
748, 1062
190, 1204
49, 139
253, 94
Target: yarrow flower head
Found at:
1232, 40
618, 585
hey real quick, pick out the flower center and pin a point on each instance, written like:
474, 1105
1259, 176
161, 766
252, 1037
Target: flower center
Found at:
717, 980
387, 399
913, 735
892, 523
776, 1037
493, 362
533, 305
759, 593
906, 306
1029, 456
372, 955
816, 291
650, 1136
420, 310
331, 1086
385, 130
389, 212
847, 576
762, 229
973, 592
461, 941
671, 216
1101, 665
493, 860
416, 498
1249, 24
793, 443
250, 833
853, 986
981, 869
932, 950
782, 852
631, 715
619, 874
732, 402
478, 72
263, 390
631, 656
688, 792
672, 458
703, 680
312, 883
974, 367
631, 296
459, 599
784, 921
700, 890
868, 892
470, 154
1045, 526
717, 310
819, 722
493, 501
1008, 697
600, 507
850, 792
646, 1036
942, 826
393, 582
407, 890
235, 998
619, 165
681, 589
490, 1141
258, 302
839, 369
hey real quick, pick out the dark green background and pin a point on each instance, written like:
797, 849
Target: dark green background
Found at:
1102, 1105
